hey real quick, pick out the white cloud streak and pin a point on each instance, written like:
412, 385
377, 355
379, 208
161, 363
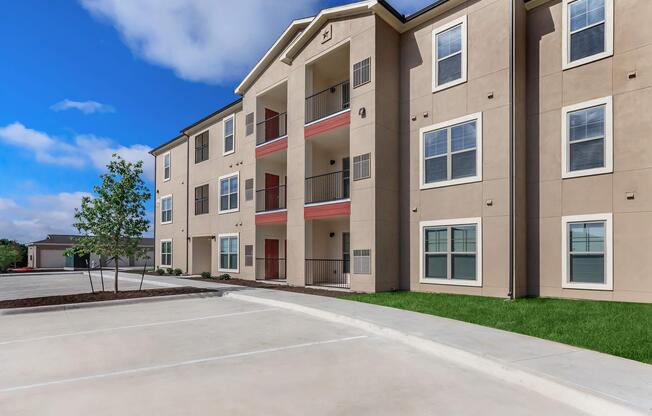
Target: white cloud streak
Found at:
89, 150
200, 40
86, 107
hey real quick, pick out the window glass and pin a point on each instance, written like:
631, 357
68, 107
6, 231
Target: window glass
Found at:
449, 55
229, 193
587, 28
451, 252
586, 135
461, 139
229, 253
228, 135
166, 166
587, 248
166, 209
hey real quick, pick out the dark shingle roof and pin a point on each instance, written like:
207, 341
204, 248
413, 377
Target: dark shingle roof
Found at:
69, 239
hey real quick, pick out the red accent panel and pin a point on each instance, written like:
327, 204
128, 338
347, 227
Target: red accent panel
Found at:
272, 218
266, 149
338, 209
331, 123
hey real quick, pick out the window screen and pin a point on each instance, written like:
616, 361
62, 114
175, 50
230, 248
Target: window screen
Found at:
201, 200
249, 121
249, 189
201, 147
249, 255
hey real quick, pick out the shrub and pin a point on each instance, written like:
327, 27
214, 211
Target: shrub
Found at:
225, 276
168, 270
177, 272
160, 271
206, 275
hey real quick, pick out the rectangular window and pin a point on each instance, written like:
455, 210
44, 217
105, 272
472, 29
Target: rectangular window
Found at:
167, 160
249, 124
362, 72
449, 55
228, 197
249, 255
201, 200
166, 209
228, 252
587, 145
588, 31
249, 189
361, 166
362, 261
451, 152
229, 135
201, 147
166, 253
586, 252
451, 252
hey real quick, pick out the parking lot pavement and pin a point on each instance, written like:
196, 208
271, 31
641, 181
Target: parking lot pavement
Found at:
33, 286
222, 356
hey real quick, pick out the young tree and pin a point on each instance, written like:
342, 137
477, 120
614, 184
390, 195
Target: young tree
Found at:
20, 249
113, 221
8, 256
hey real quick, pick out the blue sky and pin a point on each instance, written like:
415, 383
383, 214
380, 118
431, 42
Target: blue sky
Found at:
80, 80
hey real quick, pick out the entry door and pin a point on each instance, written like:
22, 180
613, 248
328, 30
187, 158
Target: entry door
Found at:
346, 175
271, 124
271, 192
271, 259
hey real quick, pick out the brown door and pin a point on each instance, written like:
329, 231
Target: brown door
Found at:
271, 124
271, 192
271, 259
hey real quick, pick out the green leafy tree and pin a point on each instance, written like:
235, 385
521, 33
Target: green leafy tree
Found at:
112, 222
21, 250
8, 256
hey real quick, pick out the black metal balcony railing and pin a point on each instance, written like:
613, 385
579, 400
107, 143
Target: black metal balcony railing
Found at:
271, 199
329, 101
272, 128
328, 187
325, 272
268, 268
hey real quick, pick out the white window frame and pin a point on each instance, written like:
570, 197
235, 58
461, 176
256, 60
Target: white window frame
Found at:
171, 209
219, 193
478, 152
463, 78
166, 240
232, 119
219, 256
167, 156
478, 259
608, 138
608, 34
608, 251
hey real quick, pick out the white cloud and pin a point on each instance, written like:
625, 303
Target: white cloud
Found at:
201, 40
89, 149
38, 216
86, 107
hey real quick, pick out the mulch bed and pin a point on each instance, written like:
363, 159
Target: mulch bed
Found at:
98, 297
258, 284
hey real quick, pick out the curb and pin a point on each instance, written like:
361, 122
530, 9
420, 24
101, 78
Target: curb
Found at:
555, 389
104, 303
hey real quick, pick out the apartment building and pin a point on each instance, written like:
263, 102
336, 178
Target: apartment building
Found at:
484, 147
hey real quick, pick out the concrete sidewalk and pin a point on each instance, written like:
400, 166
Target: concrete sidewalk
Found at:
593, 382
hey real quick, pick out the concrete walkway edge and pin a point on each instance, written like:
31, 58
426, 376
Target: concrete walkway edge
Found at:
556, 389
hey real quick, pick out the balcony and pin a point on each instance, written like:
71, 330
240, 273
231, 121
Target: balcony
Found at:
271, 268
271, 129
271, 199
328, 273
328, 187
330, 101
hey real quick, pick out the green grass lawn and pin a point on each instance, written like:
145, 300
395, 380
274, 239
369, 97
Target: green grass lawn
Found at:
622, 329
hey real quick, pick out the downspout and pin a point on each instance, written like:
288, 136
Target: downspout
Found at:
510, 294
187, 201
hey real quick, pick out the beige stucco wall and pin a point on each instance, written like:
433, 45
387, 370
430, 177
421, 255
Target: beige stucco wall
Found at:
549, 197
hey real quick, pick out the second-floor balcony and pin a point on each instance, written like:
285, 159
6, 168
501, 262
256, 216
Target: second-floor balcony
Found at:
271, 199
328, 187
332, 100
271, 128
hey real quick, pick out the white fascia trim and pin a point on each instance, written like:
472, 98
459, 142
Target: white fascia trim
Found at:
161, 210
608, 34
337, 201
220, 236
166, 240
478, 152
477, 221
608, 138
608, 252
461, 21
271, 212
272, 141
168, 153
219, 193
271, 53
227, 118
327, 117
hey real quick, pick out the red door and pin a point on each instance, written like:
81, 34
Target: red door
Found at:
271, 259
271, 124
271, 192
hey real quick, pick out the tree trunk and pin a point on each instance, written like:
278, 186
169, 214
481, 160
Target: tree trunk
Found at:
116, 274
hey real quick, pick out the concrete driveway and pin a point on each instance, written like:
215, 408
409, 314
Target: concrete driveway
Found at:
213, 355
